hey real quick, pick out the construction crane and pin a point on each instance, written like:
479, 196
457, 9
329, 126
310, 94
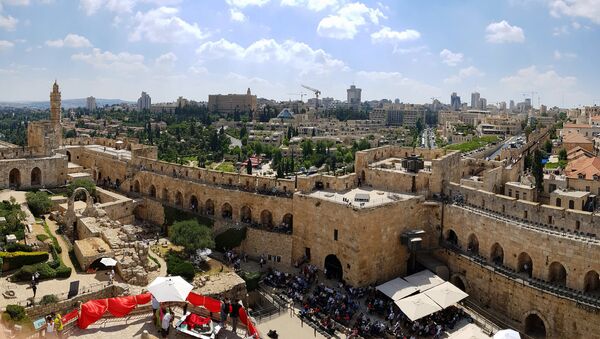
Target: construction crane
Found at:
301, 94
317, 93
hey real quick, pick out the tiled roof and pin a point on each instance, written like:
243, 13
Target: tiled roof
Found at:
588, 167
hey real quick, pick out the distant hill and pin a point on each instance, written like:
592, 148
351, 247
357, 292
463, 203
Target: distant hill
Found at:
67, 103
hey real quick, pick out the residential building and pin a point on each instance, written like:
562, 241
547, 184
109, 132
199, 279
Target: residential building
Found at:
354, 95
482, 103
90, 104
455, 101
573, 140
475, 100
144, 102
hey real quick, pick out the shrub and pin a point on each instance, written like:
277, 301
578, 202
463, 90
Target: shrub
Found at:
63, 271
42, 237
251, 279
54, 240
49, 299
16, 312
16, 246
39, 202
85, 183
229, 239
45, 270
178, 266
19, 259
173, 215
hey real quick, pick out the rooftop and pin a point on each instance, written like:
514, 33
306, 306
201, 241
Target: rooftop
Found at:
576, 138
573, 194
361, 198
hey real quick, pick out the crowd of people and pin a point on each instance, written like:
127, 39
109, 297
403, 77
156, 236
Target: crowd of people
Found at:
365, 311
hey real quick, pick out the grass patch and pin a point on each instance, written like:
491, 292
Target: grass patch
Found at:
42, 237
555, 165
226, 167
473, 144
54, 240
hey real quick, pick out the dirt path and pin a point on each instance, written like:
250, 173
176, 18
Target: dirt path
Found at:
64, 255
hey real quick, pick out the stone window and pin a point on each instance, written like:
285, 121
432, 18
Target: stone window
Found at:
587, 188
550, 219
517, 195
524, 214
335, 235
510, 193
524, 196
577, 224
571, 204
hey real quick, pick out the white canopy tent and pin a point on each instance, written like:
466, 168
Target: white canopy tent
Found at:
397, 289
424, 280
446, 294
417, 306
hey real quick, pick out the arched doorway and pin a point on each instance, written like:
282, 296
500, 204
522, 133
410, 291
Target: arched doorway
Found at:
136, 186
473, 244
534, 326
333, 267
266, 218
36, 176
452, 238
14, 178
165, 194
210, 207
179, 199
68, 156
457, 281
557, 274
194, 205
226, 211
524, 264
288, 220
246, 214
497, 254
152, 191
591, 282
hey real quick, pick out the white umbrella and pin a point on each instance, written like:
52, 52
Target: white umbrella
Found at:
170, 289
507, 334
108, 262
417, 306
446, 294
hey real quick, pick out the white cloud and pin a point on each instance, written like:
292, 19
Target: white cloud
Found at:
119, 63
198, 70
501, 32
8, 22
290, 53
246, 3
530, 78
558, 55
120, 6
71, 40
5, 45
166, 60
347, 21
589, 9
463, 74
313, 5
163, 25
389, 84
387, 35
450, 58
409, 50
15, 2
237, 15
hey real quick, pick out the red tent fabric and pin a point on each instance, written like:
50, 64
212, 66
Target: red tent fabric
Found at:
70, 316
143, 299
120, 307
212, 305
194, 320
246, 321
91, 312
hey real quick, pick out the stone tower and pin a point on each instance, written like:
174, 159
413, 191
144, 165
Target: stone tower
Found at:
55, 104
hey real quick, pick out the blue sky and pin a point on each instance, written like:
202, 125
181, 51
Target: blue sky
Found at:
411, 50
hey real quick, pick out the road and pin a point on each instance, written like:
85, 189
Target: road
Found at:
507, 143
428, 138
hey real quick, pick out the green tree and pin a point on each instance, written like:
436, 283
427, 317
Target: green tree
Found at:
548, 146
562, 154
191, 235
39, 202
249, 167
85, 183
538, 170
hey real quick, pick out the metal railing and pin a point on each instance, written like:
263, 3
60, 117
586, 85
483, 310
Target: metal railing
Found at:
555, 289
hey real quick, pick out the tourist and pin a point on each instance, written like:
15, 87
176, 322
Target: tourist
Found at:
34, 288
49, 326
166, 322
58, 325
111, 276
225, 307
235, 314
155, 307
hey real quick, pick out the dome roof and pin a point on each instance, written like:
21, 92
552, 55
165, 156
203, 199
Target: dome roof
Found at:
285, 114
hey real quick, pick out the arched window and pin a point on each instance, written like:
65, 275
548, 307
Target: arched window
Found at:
557, 273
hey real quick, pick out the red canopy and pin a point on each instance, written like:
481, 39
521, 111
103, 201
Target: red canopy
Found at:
120, 307
91, 312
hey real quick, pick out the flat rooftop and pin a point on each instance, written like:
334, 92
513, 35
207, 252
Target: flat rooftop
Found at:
122, 153
574, 194
374, 197
395, 165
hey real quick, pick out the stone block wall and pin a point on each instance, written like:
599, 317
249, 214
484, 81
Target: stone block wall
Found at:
152, 211
259, 242
34, 172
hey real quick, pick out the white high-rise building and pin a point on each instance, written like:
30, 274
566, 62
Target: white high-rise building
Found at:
475, 100
90, 104
144, 102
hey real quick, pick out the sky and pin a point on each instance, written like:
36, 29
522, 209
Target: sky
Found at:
410, 50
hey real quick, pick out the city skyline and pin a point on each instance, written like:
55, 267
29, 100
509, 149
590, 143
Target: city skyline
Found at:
172, 48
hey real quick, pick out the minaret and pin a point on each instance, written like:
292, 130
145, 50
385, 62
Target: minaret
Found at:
55, 104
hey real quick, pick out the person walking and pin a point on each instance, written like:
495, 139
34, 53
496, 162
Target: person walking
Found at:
49, 327
166, 323
34, 288
155, 307
235, 314
58, 325
225, 306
